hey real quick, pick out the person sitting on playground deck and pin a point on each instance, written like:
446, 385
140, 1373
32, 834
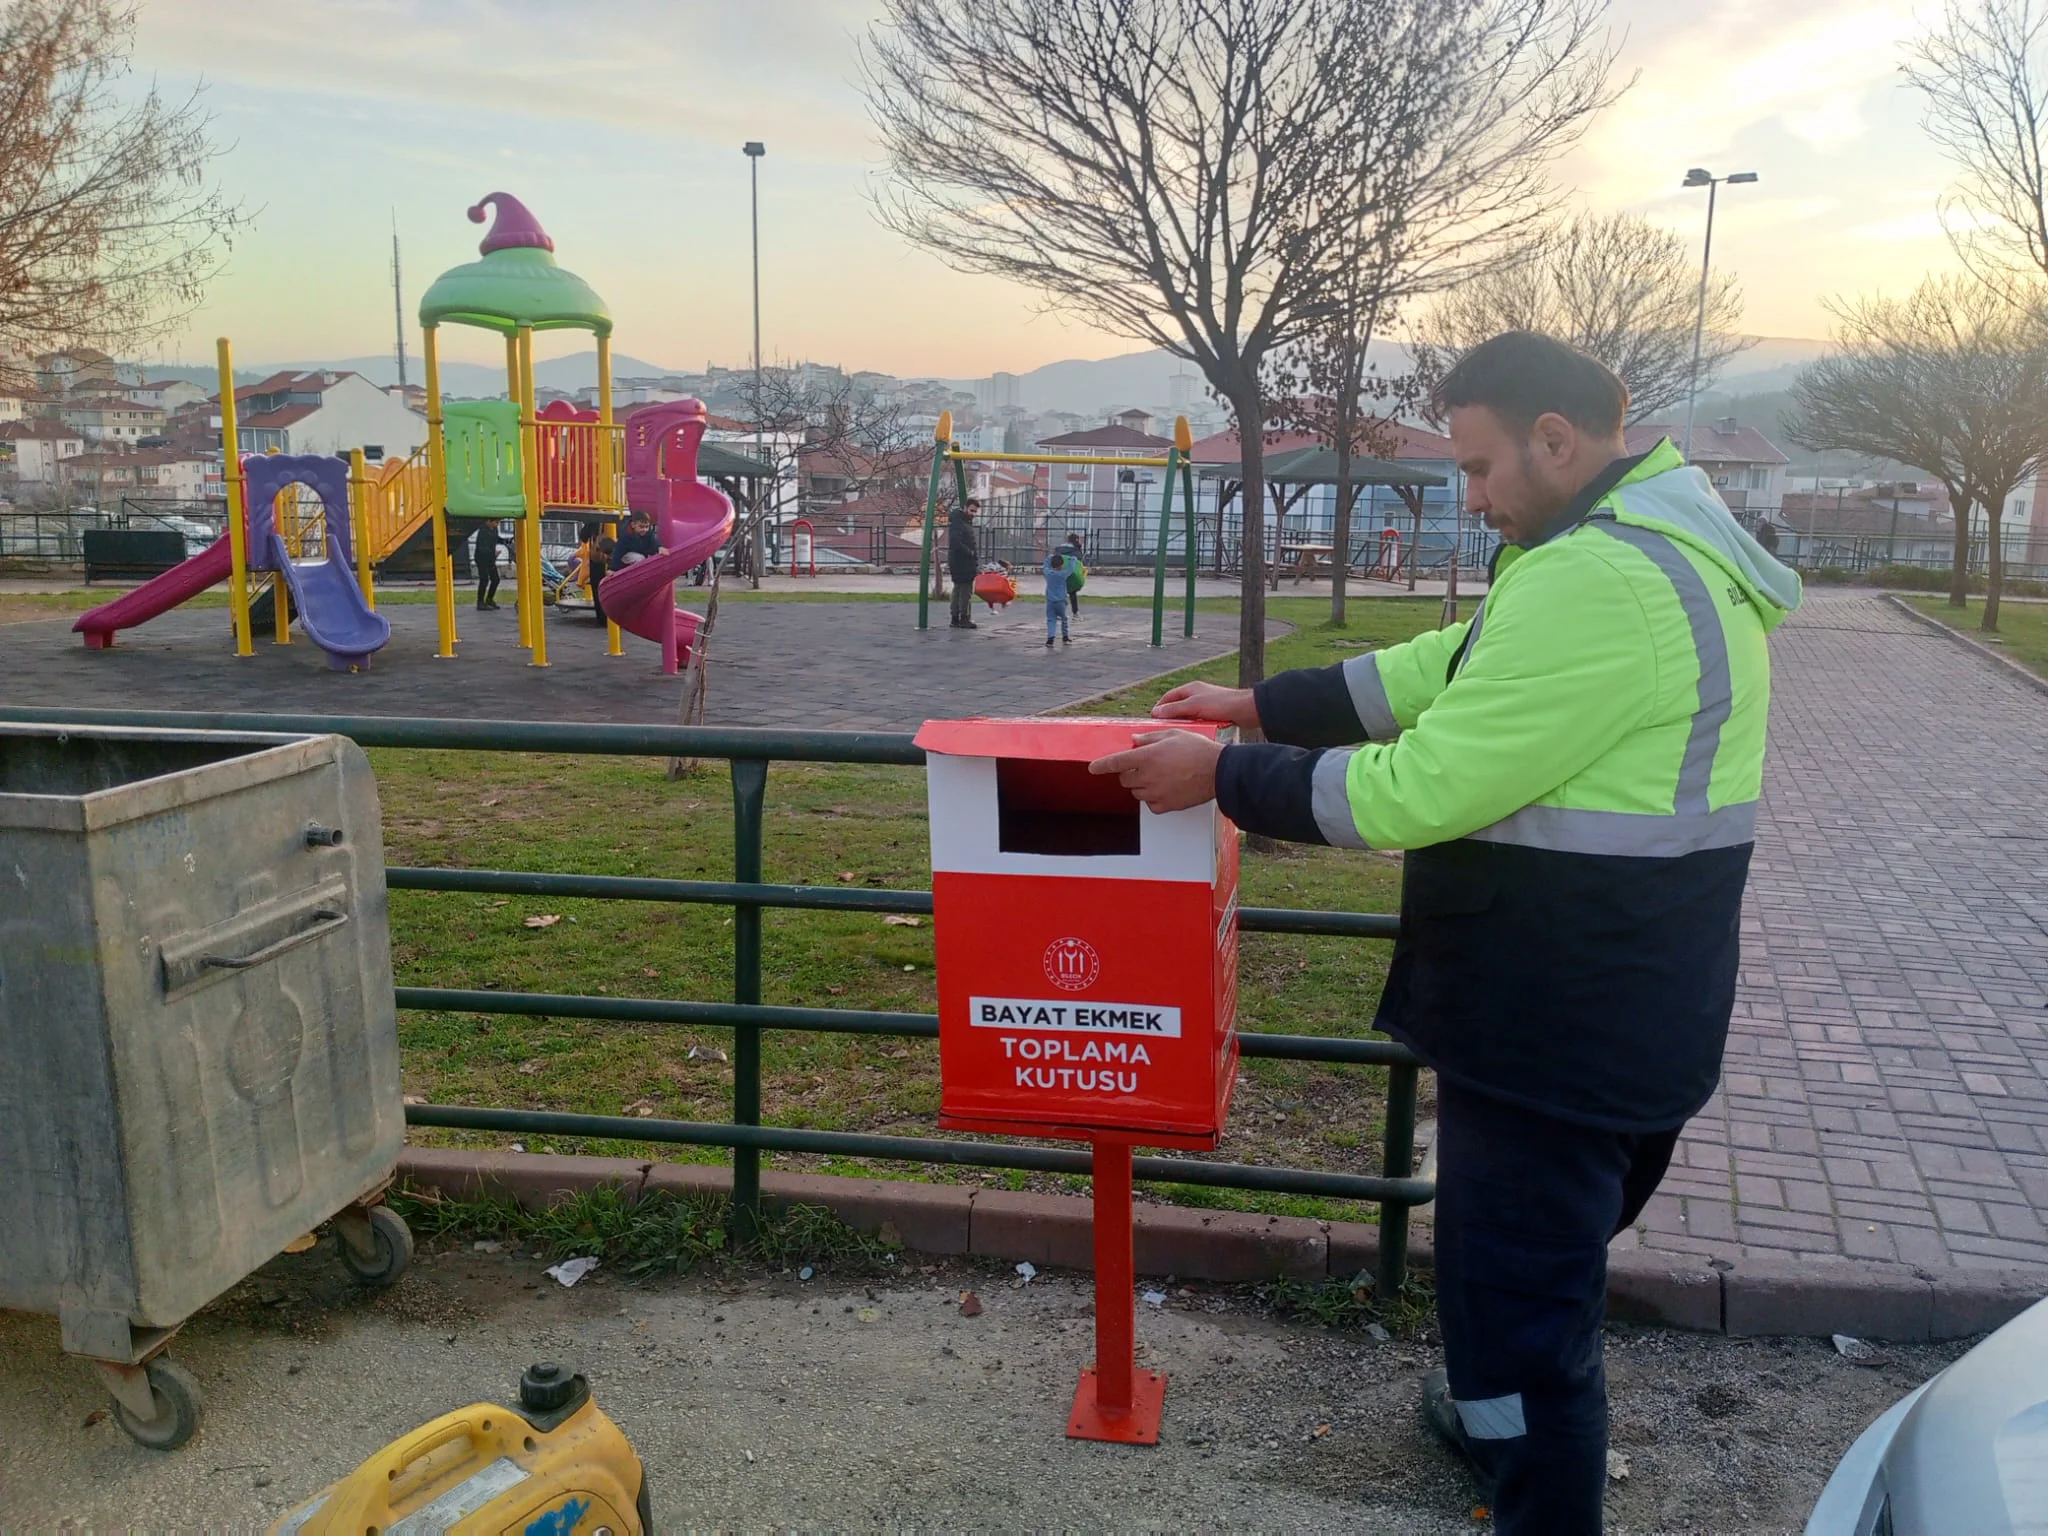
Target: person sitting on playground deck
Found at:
638, 542
963, 561
600, 566
1057, 565
1077, 575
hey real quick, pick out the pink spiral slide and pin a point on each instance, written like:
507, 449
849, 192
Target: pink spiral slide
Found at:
693, 520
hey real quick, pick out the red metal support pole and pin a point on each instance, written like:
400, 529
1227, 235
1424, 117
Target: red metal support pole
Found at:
1115, 1400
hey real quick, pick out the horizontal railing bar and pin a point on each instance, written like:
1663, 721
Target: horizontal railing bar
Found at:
564, 737
659, 1010
918, 1149
836, 1021
513, 882
971, 456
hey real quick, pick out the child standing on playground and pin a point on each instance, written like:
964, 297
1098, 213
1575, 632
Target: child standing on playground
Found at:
488, 542
1056, 598
1077, 575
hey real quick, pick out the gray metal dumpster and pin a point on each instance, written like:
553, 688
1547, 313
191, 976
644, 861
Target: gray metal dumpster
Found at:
198, 1049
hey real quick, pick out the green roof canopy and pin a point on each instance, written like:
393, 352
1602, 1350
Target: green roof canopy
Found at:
516, 286
716, 461
1318, 466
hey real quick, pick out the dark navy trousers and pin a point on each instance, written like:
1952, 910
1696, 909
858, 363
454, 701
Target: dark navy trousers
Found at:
1525, 1207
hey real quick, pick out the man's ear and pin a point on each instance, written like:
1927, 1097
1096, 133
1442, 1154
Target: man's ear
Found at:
1554, 438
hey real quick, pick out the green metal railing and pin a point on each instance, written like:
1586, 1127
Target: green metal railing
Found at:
749, 753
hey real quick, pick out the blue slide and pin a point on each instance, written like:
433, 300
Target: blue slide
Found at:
332, 610
330, 604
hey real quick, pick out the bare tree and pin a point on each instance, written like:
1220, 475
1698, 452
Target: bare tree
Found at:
1169, 170
1952, 380
1613, 285
1984, 71
109, 225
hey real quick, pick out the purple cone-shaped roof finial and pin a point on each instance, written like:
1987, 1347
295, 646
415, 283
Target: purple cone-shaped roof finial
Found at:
514, 227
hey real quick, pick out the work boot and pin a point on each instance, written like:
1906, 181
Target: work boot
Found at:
1441, 1414
1048, 642
1064, 640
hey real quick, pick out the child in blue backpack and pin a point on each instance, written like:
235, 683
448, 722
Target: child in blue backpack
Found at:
1056, 599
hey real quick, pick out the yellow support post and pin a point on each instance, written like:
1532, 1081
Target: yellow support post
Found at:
231, 475
280, 605
437, 489
359, 519
529, 442
609, 470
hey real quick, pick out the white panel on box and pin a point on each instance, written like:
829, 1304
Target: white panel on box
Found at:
965, 820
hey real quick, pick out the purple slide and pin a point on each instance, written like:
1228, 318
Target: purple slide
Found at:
693, 519
332, 610
158, 595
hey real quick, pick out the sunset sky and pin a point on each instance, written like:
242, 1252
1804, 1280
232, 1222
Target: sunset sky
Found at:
620, 125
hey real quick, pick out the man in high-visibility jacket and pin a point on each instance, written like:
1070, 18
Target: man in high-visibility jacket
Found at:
1574, 773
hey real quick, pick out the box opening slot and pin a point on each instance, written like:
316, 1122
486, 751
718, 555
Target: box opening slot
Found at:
83, 765
1061, 808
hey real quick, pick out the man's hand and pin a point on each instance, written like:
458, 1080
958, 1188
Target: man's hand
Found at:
1168, 770
1209, 701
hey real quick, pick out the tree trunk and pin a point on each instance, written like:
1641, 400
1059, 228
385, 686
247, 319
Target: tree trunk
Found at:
692, 711
1340, 535
1251, 612
1994, 576
1959, 560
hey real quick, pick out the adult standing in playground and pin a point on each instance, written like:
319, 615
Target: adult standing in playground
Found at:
1575, 774
963, 562
488, 542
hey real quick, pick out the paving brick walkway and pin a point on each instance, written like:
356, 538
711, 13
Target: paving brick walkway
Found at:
1886, 1089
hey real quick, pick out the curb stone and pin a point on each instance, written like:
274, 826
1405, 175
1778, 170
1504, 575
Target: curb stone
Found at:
2031, 679
1742, 1297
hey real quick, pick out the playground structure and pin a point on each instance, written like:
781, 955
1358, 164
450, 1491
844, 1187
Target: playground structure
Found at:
307, 522
1178, 481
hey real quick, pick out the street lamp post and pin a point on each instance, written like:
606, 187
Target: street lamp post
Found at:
754, 149
1699, 178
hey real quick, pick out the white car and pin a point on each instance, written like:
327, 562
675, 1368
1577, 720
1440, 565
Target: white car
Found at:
1965, 1454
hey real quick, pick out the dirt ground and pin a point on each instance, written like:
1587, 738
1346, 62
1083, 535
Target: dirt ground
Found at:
759, 1400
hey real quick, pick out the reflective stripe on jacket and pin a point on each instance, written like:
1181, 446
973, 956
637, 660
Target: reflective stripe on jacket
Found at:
1575, 772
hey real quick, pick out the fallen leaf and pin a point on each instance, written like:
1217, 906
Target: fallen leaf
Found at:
970, 1304
847, 874
706, 1053
416, 1098
836, 991
532, 1068
902, 920
501, 904
97, 1416
1481, 1512
641, 1107
543, 919
301, 1243
1320, 1431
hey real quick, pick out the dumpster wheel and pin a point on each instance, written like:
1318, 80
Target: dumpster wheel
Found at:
176, 1396
383, 1232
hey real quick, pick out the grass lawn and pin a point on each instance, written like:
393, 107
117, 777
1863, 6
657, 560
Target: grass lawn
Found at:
2022, 627
826, 825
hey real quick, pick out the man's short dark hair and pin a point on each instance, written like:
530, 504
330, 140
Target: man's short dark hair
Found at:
974, 501
1521, 375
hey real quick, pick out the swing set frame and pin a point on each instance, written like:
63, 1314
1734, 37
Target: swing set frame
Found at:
1179, 480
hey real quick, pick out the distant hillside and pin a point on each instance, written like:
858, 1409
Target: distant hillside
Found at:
576, 371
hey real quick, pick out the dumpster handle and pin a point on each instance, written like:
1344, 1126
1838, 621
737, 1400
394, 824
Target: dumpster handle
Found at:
321, 915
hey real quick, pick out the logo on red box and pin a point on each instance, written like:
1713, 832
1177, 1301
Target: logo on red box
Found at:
1072, 964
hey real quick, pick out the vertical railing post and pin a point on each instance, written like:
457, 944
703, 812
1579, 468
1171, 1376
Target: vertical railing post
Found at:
1397, 1163
749, 791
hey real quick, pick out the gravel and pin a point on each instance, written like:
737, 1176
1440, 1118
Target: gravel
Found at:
761, 1400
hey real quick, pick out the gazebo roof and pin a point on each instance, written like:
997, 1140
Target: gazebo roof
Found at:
517, 283
713, 459
1318, 466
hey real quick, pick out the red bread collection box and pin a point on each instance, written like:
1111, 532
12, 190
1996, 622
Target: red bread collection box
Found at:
1087, 948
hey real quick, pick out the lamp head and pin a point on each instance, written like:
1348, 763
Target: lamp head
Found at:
754, 149
1741, 177
1697, 178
